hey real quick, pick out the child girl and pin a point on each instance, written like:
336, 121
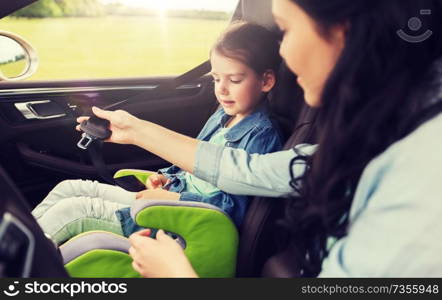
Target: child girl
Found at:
244, 62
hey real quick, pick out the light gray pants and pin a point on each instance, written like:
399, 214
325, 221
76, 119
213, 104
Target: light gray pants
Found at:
77, 206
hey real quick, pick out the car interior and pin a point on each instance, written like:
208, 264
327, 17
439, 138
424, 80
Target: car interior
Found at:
39, 149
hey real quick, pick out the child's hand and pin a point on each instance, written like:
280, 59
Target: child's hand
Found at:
122, 124
157, 194
156, 181
160, 257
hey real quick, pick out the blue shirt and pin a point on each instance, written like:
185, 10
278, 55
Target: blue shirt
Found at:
256, 133
395, 223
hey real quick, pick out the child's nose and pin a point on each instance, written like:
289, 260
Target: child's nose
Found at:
222, 89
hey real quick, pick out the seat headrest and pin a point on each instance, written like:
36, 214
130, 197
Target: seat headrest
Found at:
259, 12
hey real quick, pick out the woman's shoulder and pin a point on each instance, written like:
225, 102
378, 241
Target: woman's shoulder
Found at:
397, 203
409, 166
421, 143
420, 148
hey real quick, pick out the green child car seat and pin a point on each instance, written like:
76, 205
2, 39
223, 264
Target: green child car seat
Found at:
207, 234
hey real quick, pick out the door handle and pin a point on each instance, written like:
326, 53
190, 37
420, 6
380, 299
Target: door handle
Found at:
42, 110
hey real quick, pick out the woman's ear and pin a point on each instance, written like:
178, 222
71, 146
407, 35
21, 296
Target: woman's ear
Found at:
268, 81
338, 35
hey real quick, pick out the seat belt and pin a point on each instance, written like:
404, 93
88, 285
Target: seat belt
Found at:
178, 81
96, 155
130, 183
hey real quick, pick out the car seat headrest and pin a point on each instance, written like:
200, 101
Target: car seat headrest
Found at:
258, 11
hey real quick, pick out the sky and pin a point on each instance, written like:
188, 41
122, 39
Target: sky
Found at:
163, 5
9, 48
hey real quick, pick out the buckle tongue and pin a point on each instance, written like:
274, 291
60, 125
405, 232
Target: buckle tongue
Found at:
85, 141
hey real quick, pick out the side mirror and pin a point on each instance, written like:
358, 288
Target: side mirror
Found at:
18, 60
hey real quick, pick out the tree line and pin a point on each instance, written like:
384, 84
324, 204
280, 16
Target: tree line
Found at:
61, 8
94, 8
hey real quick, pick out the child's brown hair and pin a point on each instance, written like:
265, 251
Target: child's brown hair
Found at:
252, 44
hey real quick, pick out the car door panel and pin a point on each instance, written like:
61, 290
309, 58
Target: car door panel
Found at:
46, 148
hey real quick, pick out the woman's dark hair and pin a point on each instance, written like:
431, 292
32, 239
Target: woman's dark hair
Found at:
365, 107
251, 44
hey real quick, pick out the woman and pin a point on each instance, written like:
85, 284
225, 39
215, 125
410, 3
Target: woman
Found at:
366, 201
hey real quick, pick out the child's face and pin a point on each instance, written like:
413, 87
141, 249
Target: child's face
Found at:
237, 87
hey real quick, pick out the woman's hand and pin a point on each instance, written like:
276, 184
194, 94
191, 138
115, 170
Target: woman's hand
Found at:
156, 181
127, 129
122, 124
157, 194
160, 257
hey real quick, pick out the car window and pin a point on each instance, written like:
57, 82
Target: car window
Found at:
87, 39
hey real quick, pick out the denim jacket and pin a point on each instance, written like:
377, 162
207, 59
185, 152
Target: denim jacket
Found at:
256, 133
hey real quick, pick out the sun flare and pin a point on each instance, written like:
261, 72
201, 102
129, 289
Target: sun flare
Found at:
160, 7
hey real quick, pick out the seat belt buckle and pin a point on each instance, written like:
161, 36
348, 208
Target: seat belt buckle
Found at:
93, 129
85, 141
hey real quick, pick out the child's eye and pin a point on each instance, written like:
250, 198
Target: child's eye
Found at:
215, 80
235, 81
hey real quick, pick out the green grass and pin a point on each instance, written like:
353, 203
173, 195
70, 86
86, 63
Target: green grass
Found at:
115, 47
13, 69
